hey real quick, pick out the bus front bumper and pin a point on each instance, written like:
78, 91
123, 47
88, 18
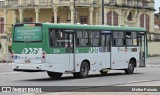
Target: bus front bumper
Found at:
29, 67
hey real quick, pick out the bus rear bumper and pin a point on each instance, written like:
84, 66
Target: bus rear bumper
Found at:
28, 67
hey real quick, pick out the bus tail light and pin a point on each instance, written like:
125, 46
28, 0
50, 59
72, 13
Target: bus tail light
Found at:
43, 56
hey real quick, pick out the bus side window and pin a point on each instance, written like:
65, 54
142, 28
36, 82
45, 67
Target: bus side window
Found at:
78, 37
128, 39
94, 37
85, 38
131, 39
108, 42
118, 38
82, 38
59, 35
56, 38
135, 38
51, 37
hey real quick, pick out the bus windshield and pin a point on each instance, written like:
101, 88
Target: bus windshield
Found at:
28, 32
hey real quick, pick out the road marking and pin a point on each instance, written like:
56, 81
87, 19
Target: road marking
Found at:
10, 73
134, 82
138, 81
153, 65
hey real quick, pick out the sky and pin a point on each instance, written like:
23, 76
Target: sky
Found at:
157, 5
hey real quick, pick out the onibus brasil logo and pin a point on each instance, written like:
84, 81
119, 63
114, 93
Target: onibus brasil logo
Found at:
31, 50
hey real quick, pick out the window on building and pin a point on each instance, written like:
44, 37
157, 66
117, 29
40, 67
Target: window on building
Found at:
109, 18
83, 20
1, 25
2, 3
32, 1
42, 1
129, 2
62, 1
147, 22
145, 3
30, 19
113, 1
129, 16
142, 20
112, 16
115, 15
25, 2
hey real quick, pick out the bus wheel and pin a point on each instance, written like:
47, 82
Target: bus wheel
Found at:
54, 75
103, 73
130, 69
84, 70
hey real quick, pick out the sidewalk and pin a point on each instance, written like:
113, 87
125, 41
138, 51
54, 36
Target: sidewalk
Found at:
5, 67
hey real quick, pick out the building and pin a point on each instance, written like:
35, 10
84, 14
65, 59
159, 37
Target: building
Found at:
157, 26
154, 42
137, 13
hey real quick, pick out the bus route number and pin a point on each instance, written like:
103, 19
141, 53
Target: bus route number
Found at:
56, 50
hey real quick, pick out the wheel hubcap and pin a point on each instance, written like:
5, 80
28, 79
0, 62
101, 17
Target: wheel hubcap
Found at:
131, 67
83, 69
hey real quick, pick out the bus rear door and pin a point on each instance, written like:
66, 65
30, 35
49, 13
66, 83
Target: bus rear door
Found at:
69, 45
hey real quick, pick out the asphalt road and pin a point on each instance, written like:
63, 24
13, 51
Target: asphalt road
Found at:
148, 74
10, 78
114, 77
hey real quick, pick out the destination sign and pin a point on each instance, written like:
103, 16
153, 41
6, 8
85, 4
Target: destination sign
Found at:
28, 33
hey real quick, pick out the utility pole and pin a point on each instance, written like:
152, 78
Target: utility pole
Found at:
75, 12
102, 12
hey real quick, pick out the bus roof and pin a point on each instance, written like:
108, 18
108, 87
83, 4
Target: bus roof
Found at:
94, 27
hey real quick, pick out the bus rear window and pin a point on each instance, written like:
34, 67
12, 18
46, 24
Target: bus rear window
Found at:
28, 33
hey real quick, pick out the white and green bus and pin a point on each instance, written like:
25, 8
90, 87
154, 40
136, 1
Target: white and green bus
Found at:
77, 49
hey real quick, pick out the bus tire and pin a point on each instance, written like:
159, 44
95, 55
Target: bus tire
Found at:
130, 69
84, 70
103, 73
54, 75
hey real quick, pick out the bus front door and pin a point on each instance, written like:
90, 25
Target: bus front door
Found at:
106, 44
142, 55
69, 45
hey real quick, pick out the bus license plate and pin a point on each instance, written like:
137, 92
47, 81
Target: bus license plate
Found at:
27, 61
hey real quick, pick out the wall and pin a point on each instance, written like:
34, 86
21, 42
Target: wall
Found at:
154, 48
